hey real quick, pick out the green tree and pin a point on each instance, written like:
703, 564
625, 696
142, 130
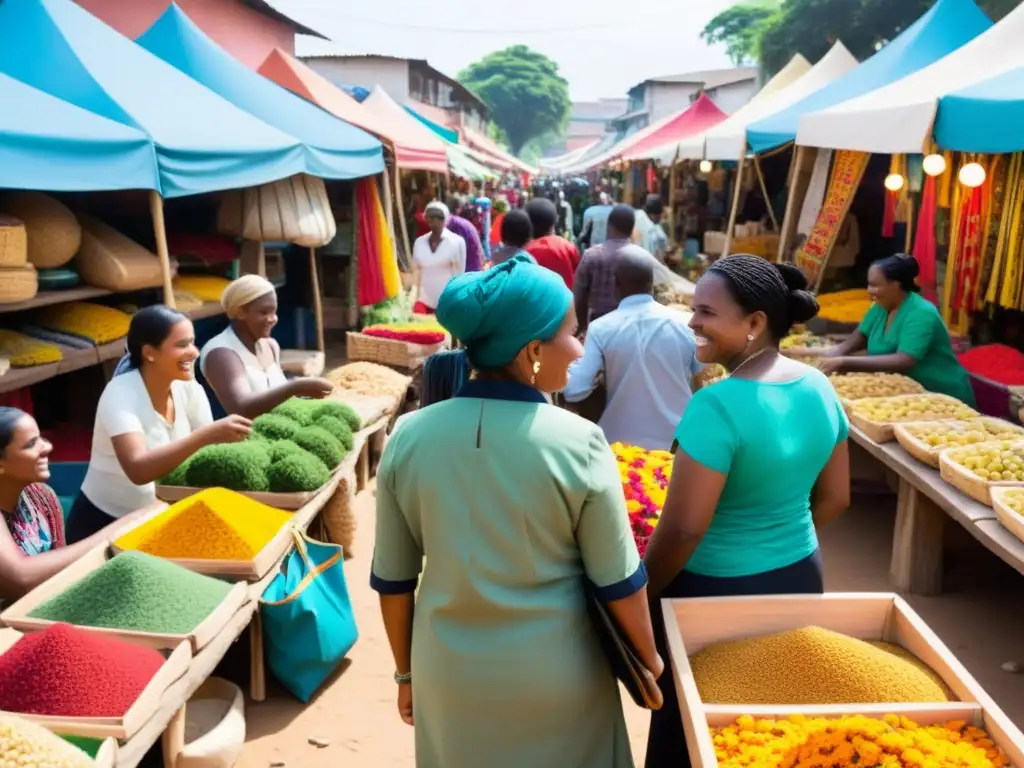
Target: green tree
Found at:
523, 90
740, 28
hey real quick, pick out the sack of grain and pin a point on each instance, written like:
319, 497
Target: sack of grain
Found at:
54, 234
108, 259
13, 242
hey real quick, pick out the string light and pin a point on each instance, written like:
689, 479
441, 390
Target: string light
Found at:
972, 175
894, 182
705, 166
934, 165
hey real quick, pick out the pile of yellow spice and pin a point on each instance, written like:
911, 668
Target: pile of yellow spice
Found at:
215, 524
865, 742
844, 306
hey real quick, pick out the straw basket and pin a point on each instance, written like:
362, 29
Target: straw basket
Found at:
54, 234
919, 449
110, 260
18, 284
968, 483
401, 354
1010, 519
339, 515
13, 243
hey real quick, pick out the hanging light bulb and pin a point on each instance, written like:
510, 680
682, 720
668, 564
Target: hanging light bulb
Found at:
972, 175
705, 166
934, 165
894, 182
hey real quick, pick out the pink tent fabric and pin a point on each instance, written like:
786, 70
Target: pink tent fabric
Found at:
486, 145
697, 118
413, 139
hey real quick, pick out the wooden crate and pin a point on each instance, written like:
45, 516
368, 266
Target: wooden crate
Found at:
17, 615
119, 728
696, 623
1010, 520
968, 483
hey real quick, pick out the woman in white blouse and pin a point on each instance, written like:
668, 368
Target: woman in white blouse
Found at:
437, 257
149, 420
242, 364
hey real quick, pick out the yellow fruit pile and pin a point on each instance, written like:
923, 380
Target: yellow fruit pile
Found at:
844, 306
24, 744
856, 386
203, 287
993, 461
95, 322
803, 340
857, 740
925, 407
24, 352
950, 434
1014, 499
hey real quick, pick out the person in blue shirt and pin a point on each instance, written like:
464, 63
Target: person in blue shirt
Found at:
595, 222
648, 356
762, 461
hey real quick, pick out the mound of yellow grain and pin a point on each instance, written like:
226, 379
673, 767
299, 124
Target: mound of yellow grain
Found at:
809, 666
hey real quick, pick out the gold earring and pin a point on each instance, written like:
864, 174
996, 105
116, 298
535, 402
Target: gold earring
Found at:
536, 370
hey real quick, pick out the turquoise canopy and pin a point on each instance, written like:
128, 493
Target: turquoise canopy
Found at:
944, 28
984, 117
203, 142
445, 133
48, 144
334, 149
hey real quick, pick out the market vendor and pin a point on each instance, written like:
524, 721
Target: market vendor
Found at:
243, 363
437, 257
902, 332
148, 421
32, 547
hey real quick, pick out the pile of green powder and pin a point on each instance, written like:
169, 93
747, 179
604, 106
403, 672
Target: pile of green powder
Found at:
137, 592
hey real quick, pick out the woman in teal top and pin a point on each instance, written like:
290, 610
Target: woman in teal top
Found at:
761, 462
506, 504
903, 333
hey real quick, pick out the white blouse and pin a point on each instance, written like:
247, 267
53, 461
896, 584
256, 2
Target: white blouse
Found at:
260, 379
440, 266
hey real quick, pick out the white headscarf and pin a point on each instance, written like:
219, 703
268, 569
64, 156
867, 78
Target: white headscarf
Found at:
242, 291
436, 206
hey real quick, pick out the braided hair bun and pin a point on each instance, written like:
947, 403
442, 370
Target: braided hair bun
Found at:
778, 290
803, 305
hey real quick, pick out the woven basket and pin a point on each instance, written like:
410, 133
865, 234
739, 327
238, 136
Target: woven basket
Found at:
18, 284
968, 483
400, 354
338, 515
1010, 519
13, 243
920, 450
108, 259
54, 234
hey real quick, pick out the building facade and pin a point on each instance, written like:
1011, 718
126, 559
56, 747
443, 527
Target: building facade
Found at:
588, 122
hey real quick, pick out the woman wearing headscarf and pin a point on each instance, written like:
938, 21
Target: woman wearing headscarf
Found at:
437, 257
243, 362
506, 505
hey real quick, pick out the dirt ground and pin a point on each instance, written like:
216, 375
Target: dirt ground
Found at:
978, 617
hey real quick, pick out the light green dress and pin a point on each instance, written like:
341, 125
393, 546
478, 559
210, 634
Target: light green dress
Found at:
512, 502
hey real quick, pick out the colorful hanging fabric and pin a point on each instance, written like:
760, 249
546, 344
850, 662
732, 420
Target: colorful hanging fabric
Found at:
924, 245
385, 246
967, 268
944, 193
371, 289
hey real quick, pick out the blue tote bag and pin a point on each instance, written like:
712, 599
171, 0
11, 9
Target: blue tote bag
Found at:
308, 624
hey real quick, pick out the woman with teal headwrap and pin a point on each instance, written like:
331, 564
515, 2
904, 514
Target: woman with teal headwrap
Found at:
505, 504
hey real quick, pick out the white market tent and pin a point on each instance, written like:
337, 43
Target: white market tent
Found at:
553, 164
899, 117
692, 147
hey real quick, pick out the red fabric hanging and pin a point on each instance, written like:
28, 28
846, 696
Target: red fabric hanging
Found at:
369, 277
924, 243
970, 237
889, 214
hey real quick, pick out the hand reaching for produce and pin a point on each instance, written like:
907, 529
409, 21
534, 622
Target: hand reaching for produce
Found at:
315, 388
830, 365
231, 429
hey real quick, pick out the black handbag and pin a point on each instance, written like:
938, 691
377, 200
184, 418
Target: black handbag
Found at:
639, 681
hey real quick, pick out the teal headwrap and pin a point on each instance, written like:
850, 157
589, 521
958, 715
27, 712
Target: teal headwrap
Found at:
498, 312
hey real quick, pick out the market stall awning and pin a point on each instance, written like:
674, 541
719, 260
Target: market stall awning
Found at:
334, 149
447, 134
203, 142
898, 118
567, 160
464, 165
412, 134
986, 117
490, 147
410, 150
702, 115
945, 27
586, 161
48, 144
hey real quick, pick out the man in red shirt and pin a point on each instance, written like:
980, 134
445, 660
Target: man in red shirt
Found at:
551, 251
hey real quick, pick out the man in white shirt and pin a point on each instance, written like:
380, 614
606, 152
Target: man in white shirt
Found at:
648, 355
437, 257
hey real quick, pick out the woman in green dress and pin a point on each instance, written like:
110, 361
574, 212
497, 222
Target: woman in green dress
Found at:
497, 506
902, 333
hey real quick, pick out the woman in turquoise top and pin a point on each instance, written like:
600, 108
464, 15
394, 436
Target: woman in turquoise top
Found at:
506, 504
903, 333
761, 462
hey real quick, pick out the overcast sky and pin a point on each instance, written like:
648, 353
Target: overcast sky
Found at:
603, 47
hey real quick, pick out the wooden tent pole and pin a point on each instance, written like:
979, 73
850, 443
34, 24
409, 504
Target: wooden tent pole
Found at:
764, 191
318, 305
156, 210
672, 198
737, 185
794, 173
388, 212
400, 210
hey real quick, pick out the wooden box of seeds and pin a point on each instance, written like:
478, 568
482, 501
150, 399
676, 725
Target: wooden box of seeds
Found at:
122, 728
885, 620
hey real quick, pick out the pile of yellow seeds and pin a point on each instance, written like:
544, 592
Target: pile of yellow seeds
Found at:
24, 352
24, 744
95, 322
854, 386
948, 434
809, 666
926, 407
992, 461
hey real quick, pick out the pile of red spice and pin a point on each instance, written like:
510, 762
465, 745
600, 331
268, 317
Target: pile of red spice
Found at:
996, 362
412, 337
67, 671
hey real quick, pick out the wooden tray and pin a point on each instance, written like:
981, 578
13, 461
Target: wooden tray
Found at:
884, 431
1010, 520
119, 728
968, 483
695, 623
17, 615
913, 387
289, 502
929, 454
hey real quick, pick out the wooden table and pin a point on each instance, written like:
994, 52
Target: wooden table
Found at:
924, 502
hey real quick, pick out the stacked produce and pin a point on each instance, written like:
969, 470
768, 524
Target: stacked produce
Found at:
94, 322
70, 672
844, 306
369, 380
889, 742
812, 665
925, 407
996, 362
25, 352
645, 476
24, 744
1014, 499
137, 592
425, 333
803, 340
992, 461
233, 527
396, 310
203, 287
949, 434
856, 386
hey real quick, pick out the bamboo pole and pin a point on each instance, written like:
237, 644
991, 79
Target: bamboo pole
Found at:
764, 191
794, 174
731, 227
156, 210
388, 212
318, 305
400, 210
